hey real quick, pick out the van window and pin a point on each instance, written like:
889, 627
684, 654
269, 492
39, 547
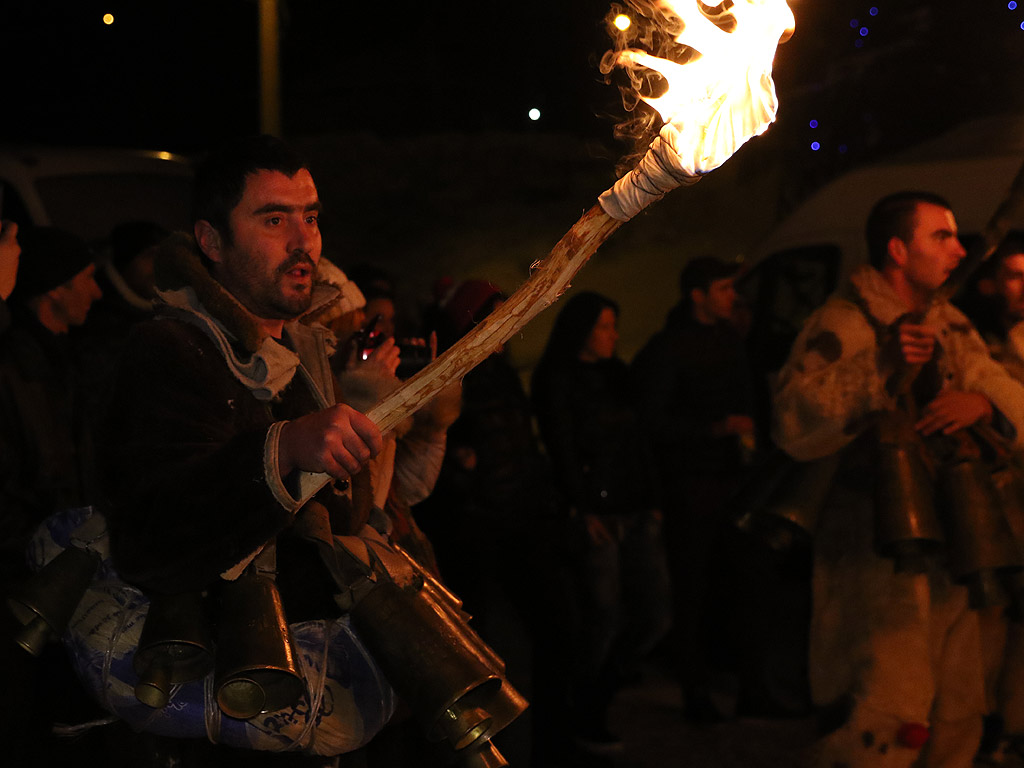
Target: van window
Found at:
91, 205
12, 207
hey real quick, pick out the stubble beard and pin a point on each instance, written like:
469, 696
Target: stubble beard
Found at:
293, 306
264, 295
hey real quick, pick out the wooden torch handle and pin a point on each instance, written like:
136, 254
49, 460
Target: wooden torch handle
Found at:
548, 281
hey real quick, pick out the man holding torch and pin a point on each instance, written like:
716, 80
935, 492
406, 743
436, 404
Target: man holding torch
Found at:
235, 308
226, 435
894, 644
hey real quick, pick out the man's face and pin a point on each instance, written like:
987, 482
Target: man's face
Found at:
74, 298
1010, 285
271, 263
933, 251
719, 299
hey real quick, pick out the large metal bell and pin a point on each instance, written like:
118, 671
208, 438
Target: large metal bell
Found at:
982, 547
907, 528
175, 647
1009, 487
46, 603
256, 669
438, 665
790, 518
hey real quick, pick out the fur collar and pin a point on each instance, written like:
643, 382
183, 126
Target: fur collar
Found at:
878, 298
179, 266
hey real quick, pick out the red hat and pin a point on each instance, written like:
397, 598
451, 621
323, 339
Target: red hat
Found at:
464, 305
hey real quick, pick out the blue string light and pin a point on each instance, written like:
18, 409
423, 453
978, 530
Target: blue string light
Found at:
854, 23
863, 31
842, 149
813, 123
874, 11
815, 146
1012, 5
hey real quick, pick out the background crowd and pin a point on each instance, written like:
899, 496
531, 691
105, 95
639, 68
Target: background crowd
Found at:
585, 516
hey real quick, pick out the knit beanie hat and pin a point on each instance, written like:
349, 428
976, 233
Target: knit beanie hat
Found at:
463, 307
49, 258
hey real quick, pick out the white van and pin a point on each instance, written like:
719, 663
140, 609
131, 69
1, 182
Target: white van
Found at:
807, 255
89, 191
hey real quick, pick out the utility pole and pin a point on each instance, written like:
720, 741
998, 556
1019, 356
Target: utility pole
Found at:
270, 68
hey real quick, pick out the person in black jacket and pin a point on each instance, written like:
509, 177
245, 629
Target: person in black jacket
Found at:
693, 384
604, 470
45, 458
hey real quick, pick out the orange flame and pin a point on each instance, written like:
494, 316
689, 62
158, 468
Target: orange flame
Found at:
726, 95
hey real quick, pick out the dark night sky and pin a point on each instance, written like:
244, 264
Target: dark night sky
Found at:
178, 75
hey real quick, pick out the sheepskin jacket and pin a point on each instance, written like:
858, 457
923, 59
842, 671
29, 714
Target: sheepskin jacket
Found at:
877, 633
841, 364
1009, 350
190, 442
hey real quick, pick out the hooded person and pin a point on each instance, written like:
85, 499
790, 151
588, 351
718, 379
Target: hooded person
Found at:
46, 457
42, 464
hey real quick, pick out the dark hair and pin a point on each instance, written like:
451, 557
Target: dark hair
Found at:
220, 177
131, 238
374, 282
895, 216
570, 332
1012, 244
701, 272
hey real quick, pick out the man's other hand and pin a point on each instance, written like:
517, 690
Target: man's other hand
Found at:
953, 410
917, 343
337, 440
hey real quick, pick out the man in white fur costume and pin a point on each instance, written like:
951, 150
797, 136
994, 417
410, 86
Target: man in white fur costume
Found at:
901, 648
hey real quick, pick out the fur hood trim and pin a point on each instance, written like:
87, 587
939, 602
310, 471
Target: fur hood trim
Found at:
348, 299
179, 266
877, 296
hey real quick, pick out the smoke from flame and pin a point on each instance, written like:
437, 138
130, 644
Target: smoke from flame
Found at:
706, 71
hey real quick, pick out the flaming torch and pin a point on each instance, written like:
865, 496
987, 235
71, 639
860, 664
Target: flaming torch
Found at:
714, 103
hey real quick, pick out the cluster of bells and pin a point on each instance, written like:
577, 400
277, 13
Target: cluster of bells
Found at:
966, 510
419, 635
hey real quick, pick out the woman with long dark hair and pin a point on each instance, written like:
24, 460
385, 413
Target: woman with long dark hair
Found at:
605, 473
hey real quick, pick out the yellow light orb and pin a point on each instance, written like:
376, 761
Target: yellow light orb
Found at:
622, 21
108, 19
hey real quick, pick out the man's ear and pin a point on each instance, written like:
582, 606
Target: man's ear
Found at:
697, 297
897, 250
209, 240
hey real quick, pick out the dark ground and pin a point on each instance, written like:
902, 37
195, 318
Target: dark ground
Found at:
647, 715
649, 718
